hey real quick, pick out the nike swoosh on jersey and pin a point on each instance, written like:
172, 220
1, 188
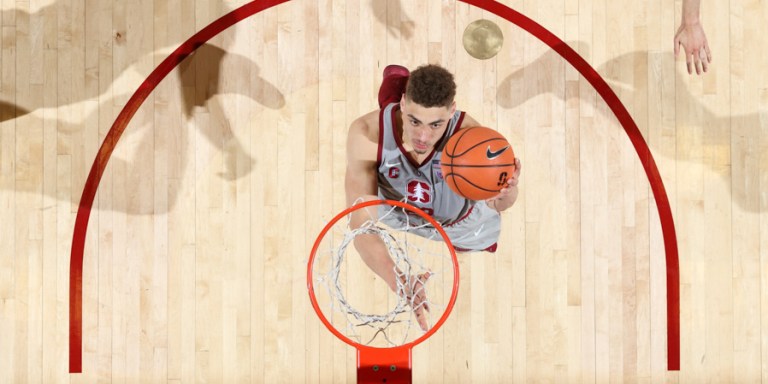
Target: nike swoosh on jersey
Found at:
388, 164
477, 233
492, 155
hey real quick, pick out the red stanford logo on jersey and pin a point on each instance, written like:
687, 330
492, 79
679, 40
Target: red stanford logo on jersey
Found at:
394, 173
419, 192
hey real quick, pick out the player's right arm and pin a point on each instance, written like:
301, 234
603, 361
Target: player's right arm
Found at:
361, 184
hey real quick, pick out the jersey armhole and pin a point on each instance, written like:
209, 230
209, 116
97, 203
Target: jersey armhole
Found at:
451, 131
458, 123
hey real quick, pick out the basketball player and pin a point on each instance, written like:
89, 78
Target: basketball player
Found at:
394, 153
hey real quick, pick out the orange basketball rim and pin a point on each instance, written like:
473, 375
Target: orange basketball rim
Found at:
389, 364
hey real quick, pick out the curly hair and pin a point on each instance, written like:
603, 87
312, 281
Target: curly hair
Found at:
431, 86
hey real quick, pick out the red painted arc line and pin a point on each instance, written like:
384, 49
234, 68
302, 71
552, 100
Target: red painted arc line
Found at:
105, 152
247, 10
646, 158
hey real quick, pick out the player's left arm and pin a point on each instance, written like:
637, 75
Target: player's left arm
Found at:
508, 195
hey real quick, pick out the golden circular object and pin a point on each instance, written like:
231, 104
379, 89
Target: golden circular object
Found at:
483, 39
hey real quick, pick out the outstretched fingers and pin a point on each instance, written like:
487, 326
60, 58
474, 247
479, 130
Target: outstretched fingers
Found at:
419, 300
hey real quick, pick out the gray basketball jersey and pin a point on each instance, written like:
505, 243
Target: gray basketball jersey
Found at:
422, 185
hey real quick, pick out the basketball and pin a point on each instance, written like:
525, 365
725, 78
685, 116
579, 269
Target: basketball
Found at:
477, 162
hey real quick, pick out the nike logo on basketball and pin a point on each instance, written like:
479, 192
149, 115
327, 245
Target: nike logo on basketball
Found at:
493, 155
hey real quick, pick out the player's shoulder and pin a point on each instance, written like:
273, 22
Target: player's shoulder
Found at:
366, 126
363, 138
468, 121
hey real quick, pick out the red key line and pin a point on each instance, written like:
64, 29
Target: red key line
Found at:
105, 152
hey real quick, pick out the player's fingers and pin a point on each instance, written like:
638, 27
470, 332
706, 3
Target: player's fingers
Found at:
709, 54
422, 319
422, 292
689, 63
419, 318
697, 62
417, 287
418, 303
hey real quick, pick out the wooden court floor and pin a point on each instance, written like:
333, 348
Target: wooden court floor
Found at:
196, 251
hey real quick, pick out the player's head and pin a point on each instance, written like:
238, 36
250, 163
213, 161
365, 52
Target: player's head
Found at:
427, 106
431, 86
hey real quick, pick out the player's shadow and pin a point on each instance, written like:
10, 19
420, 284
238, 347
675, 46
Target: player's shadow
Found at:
205, 76
263, 92
128, 165
692, 115
202, 71
121, 164
200, 76
386, 10
10, 111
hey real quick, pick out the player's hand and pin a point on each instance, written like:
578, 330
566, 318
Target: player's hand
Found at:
512, 182
694, 42
508, 191
417, 298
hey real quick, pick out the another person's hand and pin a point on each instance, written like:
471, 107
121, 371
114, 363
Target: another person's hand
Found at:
694, 42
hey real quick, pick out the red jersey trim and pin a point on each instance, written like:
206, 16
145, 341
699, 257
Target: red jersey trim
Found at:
461, 218
491, 249
458, 123
381, 138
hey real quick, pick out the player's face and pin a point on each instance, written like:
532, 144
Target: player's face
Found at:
422, 126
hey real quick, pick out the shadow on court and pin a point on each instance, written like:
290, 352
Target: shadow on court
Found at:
390, 14
205, 78
211, 63
201, 75
701, 136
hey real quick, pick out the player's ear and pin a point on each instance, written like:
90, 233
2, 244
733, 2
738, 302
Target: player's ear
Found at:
453, 107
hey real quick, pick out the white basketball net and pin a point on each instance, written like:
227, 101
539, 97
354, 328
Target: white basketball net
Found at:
387, 318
